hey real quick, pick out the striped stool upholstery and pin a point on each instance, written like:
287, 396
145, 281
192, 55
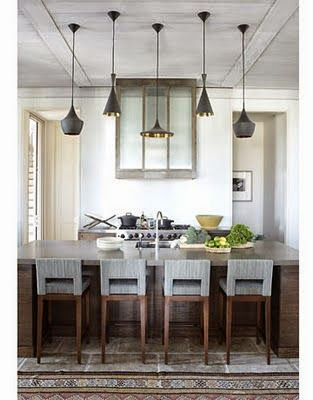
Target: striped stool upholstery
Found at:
247, 281
61, 280
123, 280
187, 280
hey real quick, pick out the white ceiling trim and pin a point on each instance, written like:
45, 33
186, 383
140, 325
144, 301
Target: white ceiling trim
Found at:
274, 20
47, 29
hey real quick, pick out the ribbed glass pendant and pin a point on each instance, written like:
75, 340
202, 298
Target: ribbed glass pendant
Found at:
157, 131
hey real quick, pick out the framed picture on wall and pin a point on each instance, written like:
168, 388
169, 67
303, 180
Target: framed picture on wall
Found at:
242, 186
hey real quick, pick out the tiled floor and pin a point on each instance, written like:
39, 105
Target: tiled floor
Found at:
123, 355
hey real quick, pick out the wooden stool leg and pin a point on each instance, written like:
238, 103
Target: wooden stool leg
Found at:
143, 327
258, 321
39, 326
166, 326
78, 327
146, 308
87, 315
49, 321
268, 328
206, 329
228, 327
220, 315
103, 326
201, 323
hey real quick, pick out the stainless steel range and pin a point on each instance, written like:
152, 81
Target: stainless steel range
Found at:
149, 234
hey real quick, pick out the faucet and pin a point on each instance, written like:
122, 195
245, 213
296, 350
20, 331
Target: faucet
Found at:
159, 215
140, 240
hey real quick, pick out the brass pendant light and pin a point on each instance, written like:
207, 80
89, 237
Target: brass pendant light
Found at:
72, 124
112, 108
243, 127
204, 108
157, 131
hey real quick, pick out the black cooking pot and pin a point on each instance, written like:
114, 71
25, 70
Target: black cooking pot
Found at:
128, 220
166, 223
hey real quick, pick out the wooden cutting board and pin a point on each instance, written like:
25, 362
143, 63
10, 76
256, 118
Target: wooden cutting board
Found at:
200, 246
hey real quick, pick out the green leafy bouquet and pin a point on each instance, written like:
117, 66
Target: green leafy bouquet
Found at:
239, 234
194, 235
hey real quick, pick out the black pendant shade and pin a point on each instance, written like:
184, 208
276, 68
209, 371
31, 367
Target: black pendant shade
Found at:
72, 124
204, 108
112, 107
243, 127
157, 131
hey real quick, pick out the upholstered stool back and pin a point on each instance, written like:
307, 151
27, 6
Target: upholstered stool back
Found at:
62, 276
187, 278
248, 277
123, 277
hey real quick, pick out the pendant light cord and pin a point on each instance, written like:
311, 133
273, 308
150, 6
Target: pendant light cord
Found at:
73, 62
203, 48
113, 45
157, 78
243, 70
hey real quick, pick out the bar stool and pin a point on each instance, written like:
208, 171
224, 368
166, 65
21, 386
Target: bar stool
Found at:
247, 281
61, 280
188, 281
123, 280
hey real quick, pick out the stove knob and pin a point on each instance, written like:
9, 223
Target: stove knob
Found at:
179, 236
130, 236
169, 237
161, 237
122, 236
154, 235
149, 235
136, 235
174, 235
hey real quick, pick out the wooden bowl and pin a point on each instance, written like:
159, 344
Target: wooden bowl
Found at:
208, 222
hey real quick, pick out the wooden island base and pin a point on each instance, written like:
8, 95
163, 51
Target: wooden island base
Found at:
185, 316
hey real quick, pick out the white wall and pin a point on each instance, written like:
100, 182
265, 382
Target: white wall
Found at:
179, 199
274, 215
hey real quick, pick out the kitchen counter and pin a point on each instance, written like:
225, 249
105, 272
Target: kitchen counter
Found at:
185, 317
87, 251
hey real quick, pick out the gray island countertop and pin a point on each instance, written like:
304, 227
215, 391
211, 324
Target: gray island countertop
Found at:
87, 251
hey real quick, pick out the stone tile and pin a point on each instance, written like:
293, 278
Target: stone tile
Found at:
20, 362
55, 364
294, 362
54, 346
94, 347
238, 345
122, 363
245, 363
187, 362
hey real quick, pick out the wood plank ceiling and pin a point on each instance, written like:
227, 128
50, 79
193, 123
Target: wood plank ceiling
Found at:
271, 47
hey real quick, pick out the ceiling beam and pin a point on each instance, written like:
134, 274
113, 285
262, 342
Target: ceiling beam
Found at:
41, 19
275, 19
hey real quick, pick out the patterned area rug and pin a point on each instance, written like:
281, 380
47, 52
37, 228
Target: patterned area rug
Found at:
157, 386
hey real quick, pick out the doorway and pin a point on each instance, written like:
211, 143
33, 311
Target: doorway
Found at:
34, 172
265, 155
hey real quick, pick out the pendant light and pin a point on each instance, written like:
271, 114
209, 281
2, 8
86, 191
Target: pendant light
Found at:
157, 131
244, 127
204, 108
72, 124
112, 108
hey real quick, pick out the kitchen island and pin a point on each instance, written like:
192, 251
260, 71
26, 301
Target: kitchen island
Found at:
124, 318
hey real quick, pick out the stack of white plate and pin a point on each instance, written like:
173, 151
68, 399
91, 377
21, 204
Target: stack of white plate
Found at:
109, 243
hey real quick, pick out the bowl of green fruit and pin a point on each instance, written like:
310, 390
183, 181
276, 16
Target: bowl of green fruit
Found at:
218, 245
